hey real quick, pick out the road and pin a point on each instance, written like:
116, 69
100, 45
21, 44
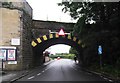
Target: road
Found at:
61, 70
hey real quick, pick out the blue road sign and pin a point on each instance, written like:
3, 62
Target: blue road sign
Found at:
100, 50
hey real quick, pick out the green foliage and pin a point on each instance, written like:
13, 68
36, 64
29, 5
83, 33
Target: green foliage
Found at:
104, 31
108, 70
99, 12
69, 56
62, 55
79, 26
73, 51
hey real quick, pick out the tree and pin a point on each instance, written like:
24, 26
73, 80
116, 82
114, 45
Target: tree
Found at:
98, 12
73, 51
104, 31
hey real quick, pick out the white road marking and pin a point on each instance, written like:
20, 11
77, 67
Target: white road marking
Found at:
43, 71
31, 77
110, 80
89, 73
101, 76
46, 69
105, 78
39, 74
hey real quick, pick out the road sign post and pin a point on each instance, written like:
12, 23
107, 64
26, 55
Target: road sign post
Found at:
100, 55
2, 65
101, 62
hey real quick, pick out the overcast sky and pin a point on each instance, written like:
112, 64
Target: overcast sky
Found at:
59, 48
49, 10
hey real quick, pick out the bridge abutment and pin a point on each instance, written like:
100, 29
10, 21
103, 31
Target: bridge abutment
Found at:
17, 24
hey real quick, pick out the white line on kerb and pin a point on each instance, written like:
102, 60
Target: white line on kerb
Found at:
31, 77
38, 74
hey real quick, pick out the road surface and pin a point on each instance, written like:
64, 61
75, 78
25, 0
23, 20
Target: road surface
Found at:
61, 70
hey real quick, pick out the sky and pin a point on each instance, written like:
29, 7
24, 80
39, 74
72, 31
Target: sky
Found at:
59, 48
48, 10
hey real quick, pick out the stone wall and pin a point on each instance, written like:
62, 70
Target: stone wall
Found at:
10, 25
10, 29
16, 22
26, 41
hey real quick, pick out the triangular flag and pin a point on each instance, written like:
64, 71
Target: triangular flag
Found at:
61, 32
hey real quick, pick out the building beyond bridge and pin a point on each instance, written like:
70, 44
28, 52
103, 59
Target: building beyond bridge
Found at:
18, 29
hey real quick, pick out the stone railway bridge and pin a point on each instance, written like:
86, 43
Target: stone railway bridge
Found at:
33, 35
42, 38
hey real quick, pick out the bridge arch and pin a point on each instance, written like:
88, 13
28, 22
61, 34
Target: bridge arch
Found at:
42, 43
